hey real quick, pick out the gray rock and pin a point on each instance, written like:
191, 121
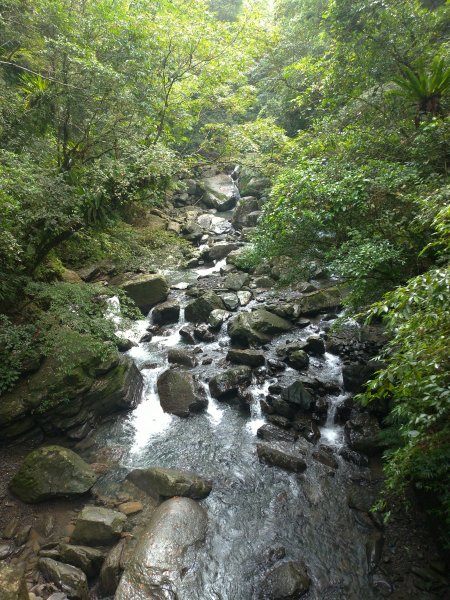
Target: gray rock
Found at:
236, 281
13, 585
285, 581
156, 568
252, 358
198, 310
69, 579
217, 318
145, 290
318, 301
264, 282
244, 297
187, 334
52, 472
283, 455
298, 359
272, 433
251, 220
178, 394
362, 434
227, 383
231, 301
219, 192
6, 549
325, 456
315, 345
245, 206
192, 232
98, 526
166, 313
256, 186
89, 560
112, 568
181, 357
257, 327
219, 251
297, 394
355, 375
158, 481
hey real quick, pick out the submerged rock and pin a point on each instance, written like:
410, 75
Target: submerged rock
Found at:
98, 526
156, 568
52, 472
13, 585
145, 290
178, 394
69, 579
285, 581
158, 481
227, 384
257, 327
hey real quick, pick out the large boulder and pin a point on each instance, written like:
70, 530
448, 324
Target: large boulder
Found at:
285, 581
318, 301
198, 310
166, 313
178, 393
251, 358
283, 454
219, 192
98, 526
179, 356
156, 568
13, 585
218, 251
52, 472
69, 579
236, 281
145, 290
226, 384
244, 207
362, 434
158, 481
257, 327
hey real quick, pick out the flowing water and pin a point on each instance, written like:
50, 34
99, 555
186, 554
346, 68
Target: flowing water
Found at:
253, 509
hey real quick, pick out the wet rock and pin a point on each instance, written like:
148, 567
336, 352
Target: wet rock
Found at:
181, 357
145, 290
97, 526
178, 394
252, 358
227, 383
166, 313
360, 498
147, 337
298, 359
283, 455
69, 579
272, 433
285, 581
112, 569
324, 455
198, 310
217, 318
231, 301
123, 344
279, 421
6, 549
244, 207
187, 334
355, 375
156, 568
258, 326
353, 457
362, 434
275, 366
89, 560
12, 583
297, 394
244, 297
219, 251
236, 281
281, 408
52, 472
315, 345
158, 481
203, 333
318, 301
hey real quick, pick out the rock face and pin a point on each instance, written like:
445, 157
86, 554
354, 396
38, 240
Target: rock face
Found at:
285, 581
52, 472
145, 290
283, 455
12, 583
178, 394
362, 434
257, 327
156, 568
97, 526
318, 301
166, 313
199, 309
167, 483
227, 384
56, 402
251, 358
70, 579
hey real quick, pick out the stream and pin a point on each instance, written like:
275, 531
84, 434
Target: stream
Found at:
254, 511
